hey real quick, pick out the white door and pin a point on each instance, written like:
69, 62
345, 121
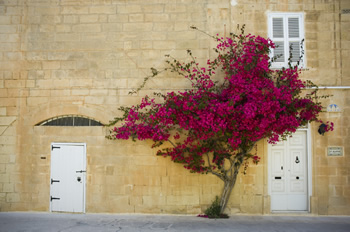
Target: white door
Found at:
288, 174
68, 163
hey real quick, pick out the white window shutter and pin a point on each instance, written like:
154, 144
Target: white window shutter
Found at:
286, 30
277, 28
295, 53
277, 34
293, 27
294, 38
279, 52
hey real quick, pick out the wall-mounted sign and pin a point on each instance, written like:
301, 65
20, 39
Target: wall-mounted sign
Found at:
333, 108
335, 151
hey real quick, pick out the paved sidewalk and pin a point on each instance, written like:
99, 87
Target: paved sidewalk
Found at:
53, 222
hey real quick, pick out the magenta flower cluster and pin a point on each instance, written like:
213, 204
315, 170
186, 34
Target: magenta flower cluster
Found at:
249, 103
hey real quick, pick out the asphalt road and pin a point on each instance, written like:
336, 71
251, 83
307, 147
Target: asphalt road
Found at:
54, 222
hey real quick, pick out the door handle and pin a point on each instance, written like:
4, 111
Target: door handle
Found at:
54, 198
53, 181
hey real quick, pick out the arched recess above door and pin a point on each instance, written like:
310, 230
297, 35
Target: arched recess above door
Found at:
70, 120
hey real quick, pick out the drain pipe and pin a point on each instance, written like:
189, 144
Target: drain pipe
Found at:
331, 87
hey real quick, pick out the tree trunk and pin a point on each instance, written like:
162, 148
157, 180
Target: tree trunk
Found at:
228, 186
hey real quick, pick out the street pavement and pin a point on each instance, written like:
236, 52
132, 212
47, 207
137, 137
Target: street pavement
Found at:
59, 222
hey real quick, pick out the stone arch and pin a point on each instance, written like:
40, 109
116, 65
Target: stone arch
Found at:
49, 112
70, 120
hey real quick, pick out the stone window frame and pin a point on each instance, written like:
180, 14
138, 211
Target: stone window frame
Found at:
285, 40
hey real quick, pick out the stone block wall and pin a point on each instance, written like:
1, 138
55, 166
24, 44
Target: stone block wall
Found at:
12, 91
82, 57
331, 174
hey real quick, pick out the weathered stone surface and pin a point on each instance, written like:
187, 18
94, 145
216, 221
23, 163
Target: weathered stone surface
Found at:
74, 57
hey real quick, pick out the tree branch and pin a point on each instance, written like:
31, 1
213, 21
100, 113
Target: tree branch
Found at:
233, 163
171, 143
209, 163
218, 175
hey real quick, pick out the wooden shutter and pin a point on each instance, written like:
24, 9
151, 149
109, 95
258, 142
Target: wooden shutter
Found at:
285, 30
279, 52
277, 34
293, 27
294, 39
277, 27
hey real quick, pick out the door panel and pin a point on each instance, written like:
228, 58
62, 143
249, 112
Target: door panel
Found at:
278, 162
297, 157
279, 202
278, 186
288, 174
278, 179
67, 178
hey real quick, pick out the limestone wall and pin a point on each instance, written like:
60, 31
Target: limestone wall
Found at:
82, 57
331, 174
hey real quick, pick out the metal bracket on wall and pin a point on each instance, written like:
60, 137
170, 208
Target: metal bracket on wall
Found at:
53, 147
54, 198
53, 181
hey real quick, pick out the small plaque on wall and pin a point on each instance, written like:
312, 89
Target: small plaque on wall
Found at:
335, 151
333, 108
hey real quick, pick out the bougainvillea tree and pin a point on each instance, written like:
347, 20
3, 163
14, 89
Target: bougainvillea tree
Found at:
213, 126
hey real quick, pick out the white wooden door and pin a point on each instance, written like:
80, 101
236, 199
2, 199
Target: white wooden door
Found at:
288, 174
68, 163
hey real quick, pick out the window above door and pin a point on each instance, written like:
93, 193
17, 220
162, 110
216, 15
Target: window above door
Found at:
70, 120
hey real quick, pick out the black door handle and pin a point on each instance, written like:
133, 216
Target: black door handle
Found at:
54, 198
52, 181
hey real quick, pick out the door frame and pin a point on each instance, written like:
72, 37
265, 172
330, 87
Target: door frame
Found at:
84, 166
308, 172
